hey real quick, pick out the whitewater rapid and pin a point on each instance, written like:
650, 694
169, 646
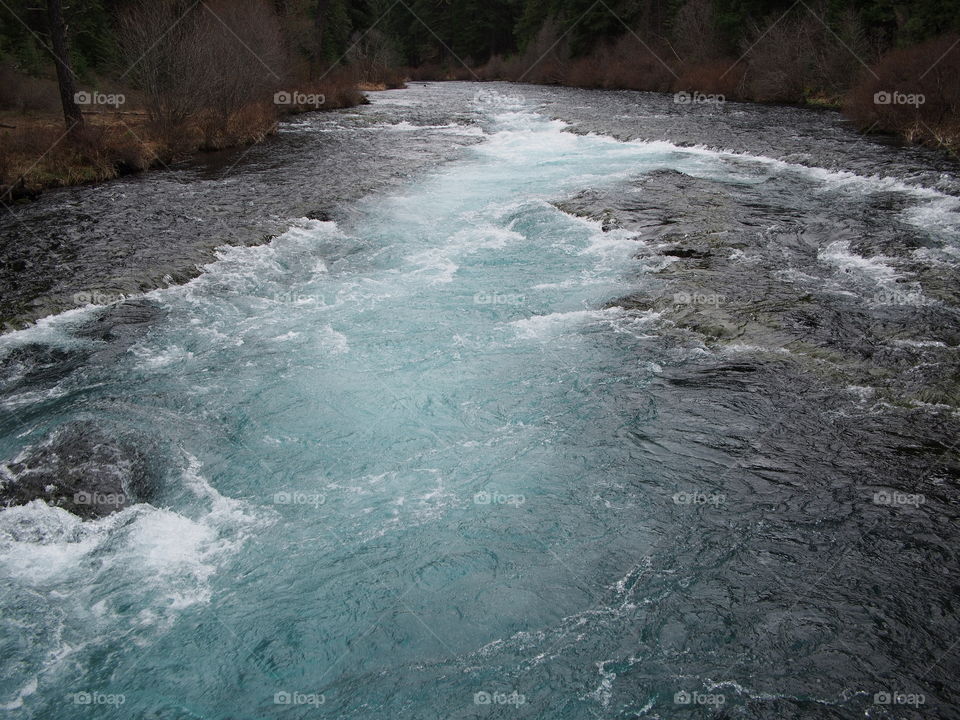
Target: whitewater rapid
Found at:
433, 448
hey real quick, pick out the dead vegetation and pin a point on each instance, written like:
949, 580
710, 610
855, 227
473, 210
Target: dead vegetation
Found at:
200, 86
795, 60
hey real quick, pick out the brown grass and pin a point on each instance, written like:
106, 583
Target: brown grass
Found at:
35, 153
931, 69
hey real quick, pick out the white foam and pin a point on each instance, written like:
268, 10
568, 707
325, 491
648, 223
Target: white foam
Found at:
485, 237
938, 215
863, 392
169, 555
334, 341
920, 343
746, 348
617, 244
793, 275
449, 128
435, 266
947, 254
839, 255
540, 326
245, 269
741, 258
153, 359
39, 542
939, 211
51, 330
26, 691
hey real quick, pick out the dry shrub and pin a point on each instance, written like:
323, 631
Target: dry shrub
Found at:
24, 94
780, 60
798, 57
881, 101
626, 64
208, 81
251, 123
495, 69
434, 72
586, 72
545, 59
374, 60
461, 73
339, 89
694, 32
389, 78
426, 73
44, 158
716, 77
216, 58
635, 65
22, 146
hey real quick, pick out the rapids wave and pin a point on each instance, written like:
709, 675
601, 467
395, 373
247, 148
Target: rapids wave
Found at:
567, 425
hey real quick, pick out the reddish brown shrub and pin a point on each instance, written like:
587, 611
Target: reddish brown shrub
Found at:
912, 91
717, 77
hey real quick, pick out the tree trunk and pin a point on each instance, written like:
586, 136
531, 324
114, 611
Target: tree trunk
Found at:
61, 57
320, 28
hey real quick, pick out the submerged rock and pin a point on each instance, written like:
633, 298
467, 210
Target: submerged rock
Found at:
82, 469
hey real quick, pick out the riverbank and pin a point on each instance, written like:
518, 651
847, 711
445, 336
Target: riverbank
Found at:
100, 243
37, 154
909, 92
631, 428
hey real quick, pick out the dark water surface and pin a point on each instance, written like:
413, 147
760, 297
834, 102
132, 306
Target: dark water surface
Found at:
540, 403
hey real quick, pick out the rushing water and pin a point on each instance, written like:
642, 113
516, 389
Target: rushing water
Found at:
566, 426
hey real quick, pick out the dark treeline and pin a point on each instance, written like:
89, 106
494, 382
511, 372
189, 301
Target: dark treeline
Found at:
445, 32
205, 73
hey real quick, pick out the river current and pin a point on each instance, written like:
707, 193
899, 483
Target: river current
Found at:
537, 403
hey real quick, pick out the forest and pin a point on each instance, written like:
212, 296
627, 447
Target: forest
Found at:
203, 74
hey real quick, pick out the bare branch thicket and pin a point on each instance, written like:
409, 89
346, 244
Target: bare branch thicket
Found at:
202, 64
373, 55
695, 37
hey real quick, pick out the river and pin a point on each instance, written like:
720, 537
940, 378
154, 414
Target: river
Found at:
510, 402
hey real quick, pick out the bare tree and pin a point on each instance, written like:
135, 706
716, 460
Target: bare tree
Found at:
65, 76
215, 60
372, 54
694, 31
